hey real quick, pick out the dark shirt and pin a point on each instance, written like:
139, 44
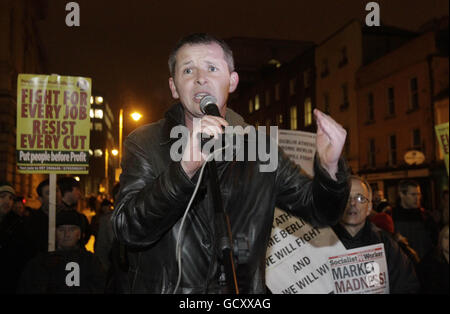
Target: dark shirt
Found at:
418, 227
74, 271
401, 273
433, 273
14, 251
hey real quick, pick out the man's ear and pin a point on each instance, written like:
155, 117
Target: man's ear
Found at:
173, 88
369, 208
234, 80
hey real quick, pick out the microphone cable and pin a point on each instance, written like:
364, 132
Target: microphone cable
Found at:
178, 246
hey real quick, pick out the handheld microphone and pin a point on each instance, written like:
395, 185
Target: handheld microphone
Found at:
208, 105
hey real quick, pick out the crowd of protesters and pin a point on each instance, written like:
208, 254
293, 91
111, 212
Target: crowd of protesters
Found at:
26, 265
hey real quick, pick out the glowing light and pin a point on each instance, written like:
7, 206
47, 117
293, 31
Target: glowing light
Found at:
136, 116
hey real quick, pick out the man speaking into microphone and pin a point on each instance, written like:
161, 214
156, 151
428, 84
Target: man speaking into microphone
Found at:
172, 250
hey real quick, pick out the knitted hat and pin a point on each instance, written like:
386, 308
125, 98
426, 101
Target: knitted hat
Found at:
7, 188
68, 217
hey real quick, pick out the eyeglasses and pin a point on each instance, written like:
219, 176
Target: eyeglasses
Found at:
359, 198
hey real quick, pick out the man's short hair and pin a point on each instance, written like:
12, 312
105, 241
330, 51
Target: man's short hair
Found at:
66, 184
404, 185
363, 181
200, 39
41, 186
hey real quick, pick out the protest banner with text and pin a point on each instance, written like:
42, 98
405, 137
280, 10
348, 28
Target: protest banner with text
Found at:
297, 253
53, 124
442, 136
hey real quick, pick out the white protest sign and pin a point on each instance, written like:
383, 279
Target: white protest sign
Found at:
360, 271
297, 253
300, 147
297, 256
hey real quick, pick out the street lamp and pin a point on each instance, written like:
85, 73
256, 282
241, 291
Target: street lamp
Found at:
136, 116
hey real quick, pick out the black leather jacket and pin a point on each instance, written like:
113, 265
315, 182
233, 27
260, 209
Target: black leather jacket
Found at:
154, 193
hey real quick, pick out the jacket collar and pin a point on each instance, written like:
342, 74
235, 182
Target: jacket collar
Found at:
343, 234
175, 116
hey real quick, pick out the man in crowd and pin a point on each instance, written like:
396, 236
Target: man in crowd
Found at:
413, 221
155, 189
37, 223
355, 230
70, 269
14, 252
70, 195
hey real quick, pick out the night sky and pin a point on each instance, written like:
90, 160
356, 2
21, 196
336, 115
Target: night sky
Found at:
123, 45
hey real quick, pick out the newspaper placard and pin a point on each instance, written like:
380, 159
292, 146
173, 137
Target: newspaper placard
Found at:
360, 271
53, 124
297, 254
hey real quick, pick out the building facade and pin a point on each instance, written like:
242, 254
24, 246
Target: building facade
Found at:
401, 97
338, 58
284, 95
102, 162
20, 52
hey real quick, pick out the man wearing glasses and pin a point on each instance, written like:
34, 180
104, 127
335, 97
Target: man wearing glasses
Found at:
355, 230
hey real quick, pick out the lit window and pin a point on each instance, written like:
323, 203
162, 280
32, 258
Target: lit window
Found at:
98, 113
98, 153
91, 113
256, 102
275, 62
91, 152
280, 119
308, 112
99, 100
92, 100
294, 118
98, 126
